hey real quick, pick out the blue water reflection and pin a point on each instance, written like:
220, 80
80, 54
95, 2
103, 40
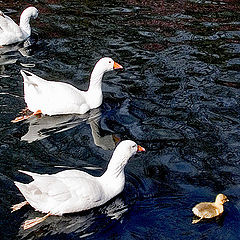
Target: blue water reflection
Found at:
178, 96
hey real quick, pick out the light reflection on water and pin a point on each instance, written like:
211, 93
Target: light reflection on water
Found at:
178, 96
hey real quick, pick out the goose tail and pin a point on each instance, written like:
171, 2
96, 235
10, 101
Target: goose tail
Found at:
29, 78
23, 188
29, 173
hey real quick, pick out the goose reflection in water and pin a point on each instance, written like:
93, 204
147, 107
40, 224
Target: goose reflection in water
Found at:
12, 53
40, 128
77, 223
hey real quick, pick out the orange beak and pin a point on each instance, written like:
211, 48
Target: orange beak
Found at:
140, 149
117, 66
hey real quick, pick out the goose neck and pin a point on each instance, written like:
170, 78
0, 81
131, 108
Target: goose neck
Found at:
114, 177
96, 80
116, 166
24, 23
94, 93
113, 181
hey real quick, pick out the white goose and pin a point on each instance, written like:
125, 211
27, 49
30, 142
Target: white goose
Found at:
54, 98
73, 190
10, 32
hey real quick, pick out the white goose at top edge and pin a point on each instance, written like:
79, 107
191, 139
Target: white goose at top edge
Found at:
73, 190
10, 32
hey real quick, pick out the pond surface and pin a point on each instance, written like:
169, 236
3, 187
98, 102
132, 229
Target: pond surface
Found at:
178, 96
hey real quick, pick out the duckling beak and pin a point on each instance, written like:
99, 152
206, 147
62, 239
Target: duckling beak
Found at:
140, 149
117, 66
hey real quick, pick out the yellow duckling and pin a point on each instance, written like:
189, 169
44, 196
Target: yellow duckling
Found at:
210, 209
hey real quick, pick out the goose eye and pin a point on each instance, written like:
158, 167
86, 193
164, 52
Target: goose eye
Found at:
110, 62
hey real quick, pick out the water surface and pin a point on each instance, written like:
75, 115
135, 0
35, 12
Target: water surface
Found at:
178, 97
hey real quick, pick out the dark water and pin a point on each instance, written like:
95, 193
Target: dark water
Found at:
178, 97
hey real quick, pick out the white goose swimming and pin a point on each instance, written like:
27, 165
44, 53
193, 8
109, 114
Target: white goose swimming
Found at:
54, 98
10, 32
73, 190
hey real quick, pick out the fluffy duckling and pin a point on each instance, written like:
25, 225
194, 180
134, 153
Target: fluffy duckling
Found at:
209, 209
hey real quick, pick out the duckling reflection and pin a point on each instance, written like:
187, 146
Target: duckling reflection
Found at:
78, 223
40, 128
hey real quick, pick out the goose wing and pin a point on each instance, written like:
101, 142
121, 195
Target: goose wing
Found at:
51, 97
64, 192
7, 24
10, 32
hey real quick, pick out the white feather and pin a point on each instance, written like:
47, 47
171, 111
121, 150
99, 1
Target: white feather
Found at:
10, 32
54, 98
73, 190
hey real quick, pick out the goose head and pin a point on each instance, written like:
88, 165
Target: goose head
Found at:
106, 64
123, 152
30, 12
128, 148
